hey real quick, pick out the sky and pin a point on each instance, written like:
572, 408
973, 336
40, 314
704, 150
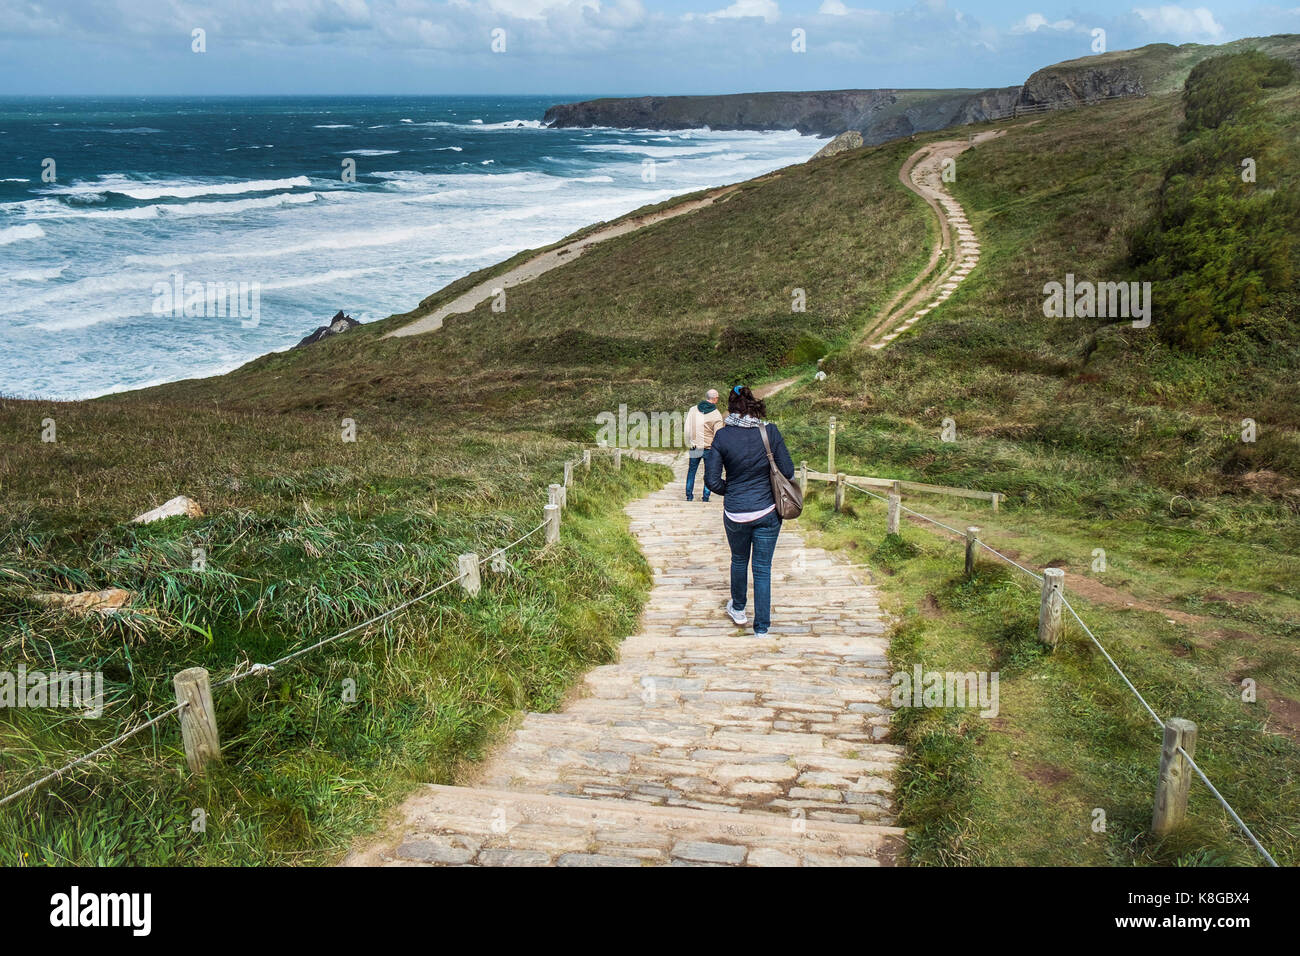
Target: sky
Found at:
578, 47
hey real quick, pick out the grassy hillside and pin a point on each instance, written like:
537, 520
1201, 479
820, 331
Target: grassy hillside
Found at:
1098, 435
1163, 67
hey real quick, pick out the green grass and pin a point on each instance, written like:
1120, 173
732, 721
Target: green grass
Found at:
305, 771
1069, 738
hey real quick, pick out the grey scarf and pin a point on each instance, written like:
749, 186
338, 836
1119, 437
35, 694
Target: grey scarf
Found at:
743, 421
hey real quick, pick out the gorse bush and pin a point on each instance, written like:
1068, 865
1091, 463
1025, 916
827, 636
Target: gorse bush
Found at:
1223, 88
1219, 246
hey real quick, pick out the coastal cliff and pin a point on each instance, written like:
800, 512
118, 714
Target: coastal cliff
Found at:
879, 115
883, 114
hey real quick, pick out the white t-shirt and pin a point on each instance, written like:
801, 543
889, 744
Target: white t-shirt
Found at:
745, 517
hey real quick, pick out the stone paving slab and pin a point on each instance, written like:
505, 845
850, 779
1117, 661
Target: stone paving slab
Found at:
462, 826
699, 720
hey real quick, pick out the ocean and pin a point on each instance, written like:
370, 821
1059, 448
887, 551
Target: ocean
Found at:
254, 195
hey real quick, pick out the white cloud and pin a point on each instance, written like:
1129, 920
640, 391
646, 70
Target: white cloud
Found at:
1036, 21
537, 9
767, 9
1180, 22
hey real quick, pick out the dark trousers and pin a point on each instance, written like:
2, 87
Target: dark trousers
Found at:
690, 478
756, 539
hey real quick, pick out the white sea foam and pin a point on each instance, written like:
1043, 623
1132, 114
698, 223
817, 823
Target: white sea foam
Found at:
509, 124
19, 233
55, 210
171, 191
34, 275
648, 150
168, 188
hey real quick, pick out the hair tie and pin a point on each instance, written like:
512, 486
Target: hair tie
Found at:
736, 389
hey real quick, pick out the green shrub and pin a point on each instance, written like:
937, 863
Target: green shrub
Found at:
1220, 246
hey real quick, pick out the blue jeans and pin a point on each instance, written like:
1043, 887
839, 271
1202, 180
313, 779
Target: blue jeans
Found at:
690, 479
760, 538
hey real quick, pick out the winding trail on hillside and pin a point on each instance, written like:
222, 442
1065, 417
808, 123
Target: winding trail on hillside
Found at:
546, 261
948, 265
703, 744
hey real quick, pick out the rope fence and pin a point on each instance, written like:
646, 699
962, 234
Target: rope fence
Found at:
1176, 762
193, 688
197, 713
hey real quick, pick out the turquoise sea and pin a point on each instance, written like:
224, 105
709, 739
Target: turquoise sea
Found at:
365, 204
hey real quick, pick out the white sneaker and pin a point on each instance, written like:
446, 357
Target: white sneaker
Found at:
737, 617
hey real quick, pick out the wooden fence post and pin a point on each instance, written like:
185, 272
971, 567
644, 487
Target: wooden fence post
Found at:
1050, 623
198, 718
971, 544
586, 459
895, 514
1175, 775
839, 490
803, 478
568, 474
552, 513
997, 500
469, 576
830, 449
618, 459
556, 495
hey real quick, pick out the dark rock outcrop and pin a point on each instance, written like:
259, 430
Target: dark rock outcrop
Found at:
338, 325
879, 115
850, 139
1058, 87
820, 114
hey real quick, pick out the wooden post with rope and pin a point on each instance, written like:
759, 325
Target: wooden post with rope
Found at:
198, 718
552, 513
1175, 775
1050, 620
830, 449
469, 576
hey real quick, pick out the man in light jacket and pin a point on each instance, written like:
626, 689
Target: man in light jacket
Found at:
701, 422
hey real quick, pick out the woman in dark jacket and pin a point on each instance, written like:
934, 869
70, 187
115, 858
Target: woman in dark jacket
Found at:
749, 511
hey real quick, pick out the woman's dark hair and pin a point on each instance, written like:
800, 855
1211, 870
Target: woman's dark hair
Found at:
741, 401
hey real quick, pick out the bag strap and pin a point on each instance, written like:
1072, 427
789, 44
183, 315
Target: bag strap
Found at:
762, 432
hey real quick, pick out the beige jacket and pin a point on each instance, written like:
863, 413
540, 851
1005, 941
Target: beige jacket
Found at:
700, 427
